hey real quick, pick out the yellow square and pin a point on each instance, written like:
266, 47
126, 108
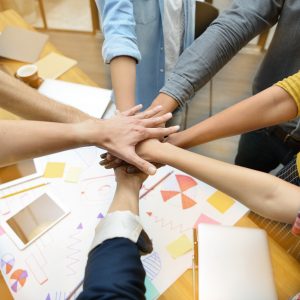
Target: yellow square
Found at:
180, 246
72, 174
54, 170
220, 201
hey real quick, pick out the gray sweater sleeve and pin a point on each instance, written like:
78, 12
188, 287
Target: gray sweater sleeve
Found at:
232, 30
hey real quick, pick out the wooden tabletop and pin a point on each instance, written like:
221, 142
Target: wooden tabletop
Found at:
286, 269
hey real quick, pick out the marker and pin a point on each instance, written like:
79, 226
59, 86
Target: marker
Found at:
24, 190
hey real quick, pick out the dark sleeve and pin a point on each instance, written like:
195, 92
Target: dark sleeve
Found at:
114, 271
233, 29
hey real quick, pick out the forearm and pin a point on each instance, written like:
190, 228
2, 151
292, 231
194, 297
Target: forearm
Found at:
261, 192
26, 102
123, 76
233, 29
272, 106
167, 102
126, 198
27, 139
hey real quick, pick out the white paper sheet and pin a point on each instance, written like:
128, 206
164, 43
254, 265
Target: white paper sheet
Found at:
91, 100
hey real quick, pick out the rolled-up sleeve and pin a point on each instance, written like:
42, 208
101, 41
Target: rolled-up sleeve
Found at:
292, 86
118, 27
232, 30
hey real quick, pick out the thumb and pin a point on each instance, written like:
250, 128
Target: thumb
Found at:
142, 164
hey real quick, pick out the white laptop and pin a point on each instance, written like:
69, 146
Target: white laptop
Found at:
234, 264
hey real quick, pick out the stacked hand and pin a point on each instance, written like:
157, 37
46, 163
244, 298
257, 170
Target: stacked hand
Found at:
129, 128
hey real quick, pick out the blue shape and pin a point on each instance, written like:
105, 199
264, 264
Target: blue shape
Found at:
151, 291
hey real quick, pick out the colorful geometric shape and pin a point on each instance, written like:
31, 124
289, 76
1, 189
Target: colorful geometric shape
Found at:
220, 201
73, 174
152, 264
100, 216
185, 182
7, 263
205, 219
167, 195
149, 213
80, 226
151, 291
54, 170
187, 202
180, 246
18, 279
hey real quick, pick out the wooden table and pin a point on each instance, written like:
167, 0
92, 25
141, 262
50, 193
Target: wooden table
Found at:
286, 268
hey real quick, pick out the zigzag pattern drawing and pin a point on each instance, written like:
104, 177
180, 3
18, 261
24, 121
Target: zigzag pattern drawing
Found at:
169, 224
74, 256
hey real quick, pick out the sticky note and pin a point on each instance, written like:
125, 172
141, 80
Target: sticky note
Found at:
151, 291
205, 219
180, 246
54, 170
73, 174
53, 65
220, 201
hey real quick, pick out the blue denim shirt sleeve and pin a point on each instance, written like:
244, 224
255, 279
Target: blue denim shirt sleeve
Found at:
118, 26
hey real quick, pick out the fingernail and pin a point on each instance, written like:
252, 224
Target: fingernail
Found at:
177, 127
101, 163
151, 170
103, 155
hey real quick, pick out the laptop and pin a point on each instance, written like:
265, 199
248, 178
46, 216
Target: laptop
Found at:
234, 264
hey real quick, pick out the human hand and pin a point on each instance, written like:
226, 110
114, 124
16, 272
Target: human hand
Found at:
124, 131
132, 181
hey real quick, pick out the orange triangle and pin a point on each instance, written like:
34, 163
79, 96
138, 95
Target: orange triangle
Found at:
187, 202
168, 194
185, 182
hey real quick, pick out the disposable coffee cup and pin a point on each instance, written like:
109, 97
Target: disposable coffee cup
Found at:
29, 75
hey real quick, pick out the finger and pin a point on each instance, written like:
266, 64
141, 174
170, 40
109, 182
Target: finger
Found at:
141, 164
156, 121
110, 157
104, 162
103, 155
149, 112
160, 132
115, 164
132, 111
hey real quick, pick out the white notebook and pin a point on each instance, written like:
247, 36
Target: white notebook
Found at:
234, 264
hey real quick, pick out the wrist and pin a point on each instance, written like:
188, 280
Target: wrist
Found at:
89, 133
166, 101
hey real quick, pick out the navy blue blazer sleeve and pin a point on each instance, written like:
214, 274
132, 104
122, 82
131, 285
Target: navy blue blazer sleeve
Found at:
114, 271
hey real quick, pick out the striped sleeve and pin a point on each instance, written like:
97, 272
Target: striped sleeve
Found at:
291, 85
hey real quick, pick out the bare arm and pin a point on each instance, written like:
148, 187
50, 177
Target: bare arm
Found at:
263, 193
271, 106
123, 76
119, 135
26, 102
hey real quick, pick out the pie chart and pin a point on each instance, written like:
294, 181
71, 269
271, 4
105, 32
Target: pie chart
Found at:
7, 262
18, 279
184, 183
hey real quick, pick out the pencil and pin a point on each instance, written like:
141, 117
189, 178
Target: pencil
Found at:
155, 185
24, 190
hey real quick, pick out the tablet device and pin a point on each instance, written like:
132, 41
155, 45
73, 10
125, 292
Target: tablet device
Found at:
234, 264
22, 171
33, 220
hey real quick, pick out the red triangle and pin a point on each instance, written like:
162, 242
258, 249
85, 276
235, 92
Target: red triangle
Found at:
149, 213
187, 202
168, 194
185, 182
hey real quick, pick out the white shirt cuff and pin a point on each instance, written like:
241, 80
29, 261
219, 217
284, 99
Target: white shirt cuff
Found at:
119, 224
